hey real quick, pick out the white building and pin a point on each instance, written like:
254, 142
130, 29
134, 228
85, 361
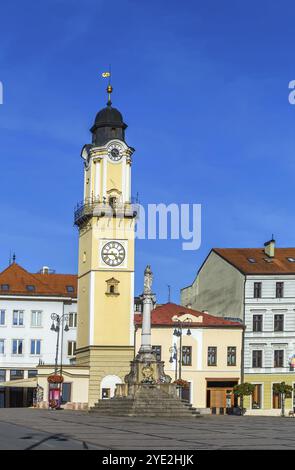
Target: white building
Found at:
256, 285
27, 302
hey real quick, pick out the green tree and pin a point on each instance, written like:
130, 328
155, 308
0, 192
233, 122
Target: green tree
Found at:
284, 391
242, 390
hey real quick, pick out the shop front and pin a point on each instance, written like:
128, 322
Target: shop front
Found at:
18, 393
220, 396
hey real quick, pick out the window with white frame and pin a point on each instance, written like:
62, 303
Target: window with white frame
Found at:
73, 320
279, 358
18, 318
2, 317
2, 346
71, 348
35, 347
36, 318
17, 347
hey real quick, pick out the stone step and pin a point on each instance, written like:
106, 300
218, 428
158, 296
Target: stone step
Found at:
147, 402
145, 412
149, 414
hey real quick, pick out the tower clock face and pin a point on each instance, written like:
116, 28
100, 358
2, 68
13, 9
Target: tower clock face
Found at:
113, 253
115, 152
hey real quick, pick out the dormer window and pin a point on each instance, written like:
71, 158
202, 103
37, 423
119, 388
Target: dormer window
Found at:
291, 260
112, 287
30, 288
4, 287
268, 260
70, 289
251, 260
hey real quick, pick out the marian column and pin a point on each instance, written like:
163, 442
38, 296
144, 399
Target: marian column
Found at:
146, 346
146, 369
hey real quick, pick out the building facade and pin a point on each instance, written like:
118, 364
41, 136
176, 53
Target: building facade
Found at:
257, 286
27, 301
207, 355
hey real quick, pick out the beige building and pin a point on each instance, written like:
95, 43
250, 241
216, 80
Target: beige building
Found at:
207, 354
256, 285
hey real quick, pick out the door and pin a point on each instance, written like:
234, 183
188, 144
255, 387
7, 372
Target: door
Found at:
186, 393
217, 398
16, 397
2, 398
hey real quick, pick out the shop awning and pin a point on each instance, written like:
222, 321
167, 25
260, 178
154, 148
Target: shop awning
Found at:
24, 383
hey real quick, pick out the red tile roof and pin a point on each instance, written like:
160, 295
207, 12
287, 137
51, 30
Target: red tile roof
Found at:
45, 284
162, 316
239, 257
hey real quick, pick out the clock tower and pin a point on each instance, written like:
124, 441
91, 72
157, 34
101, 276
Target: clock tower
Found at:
106, 222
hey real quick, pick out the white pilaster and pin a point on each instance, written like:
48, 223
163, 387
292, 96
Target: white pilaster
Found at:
97, 179
91, 309
104, 169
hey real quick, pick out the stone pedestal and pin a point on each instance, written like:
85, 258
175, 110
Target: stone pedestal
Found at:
145, 369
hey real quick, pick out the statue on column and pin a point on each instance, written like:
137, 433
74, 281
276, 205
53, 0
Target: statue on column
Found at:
145, 368
148, 280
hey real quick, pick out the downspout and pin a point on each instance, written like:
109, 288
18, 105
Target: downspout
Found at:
243, 343
134, 341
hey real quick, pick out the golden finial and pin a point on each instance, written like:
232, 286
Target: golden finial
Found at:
109, 91
109, 87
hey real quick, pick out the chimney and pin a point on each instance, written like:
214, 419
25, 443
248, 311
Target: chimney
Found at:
269, 248
45, 270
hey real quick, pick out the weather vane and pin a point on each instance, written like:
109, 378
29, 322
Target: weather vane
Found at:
109, 87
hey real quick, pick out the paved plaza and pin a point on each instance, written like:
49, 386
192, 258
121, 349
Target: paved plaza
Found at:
25, 428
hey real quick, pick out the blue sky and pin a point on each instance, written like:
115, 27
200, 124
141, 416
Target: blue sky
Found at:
203, 87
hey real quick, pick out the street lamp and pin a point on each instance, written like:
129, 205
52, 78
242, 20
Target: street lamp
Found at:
57, 323
178, 332
174, 357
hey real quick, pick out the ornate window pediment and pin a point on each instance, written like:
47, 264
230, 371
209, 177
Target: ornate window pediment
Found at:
112, 287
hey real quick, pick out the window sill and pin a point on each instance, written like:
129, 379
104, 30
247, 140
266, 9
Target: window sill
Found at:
18, 326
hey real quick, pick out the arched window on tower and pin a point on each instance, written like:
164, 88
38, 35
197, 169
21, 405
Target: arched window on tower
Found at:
112, 287
113, 201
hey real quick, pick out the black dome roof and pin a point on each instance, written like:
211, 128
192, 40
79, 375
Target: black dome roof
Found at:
108, 125
109, 117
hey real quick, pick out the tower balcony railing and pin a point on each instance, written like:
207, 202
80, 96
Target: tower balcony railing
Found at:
95, 207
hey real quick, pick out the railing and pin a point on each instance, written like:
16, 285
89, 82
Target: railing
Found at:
94, 207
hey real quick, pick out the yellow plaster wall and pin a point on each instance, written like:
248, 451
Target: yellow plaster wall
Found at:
267, 380
114, 176
107, 361
77, 376
222, 338
83, 312
112, 313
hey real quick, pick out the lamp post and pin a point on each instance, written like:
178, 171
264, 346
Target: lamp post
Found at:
57, 324
174, 357
178, 332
